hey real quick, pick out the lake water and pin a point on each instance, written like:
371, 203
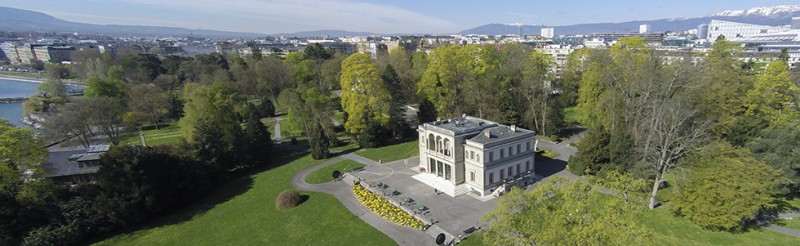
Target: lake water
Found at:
12, 88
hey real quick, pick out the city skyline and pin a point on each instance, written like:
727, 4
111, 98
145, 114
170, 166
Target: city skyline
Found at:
377, 16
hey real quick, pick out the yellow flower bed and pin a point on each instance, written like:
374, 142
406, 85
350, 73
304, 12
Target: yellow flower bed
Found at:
385, 209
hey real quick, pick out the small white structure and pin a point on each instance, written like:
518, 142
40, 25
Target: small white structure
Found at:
468, 154
548, 32
644, 28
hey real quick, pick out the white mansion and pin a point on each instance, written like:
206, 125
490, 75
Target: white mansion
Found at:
468, 154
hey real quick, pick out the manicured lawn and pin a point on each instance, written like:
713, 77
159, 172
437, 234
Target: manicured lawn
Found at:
392, 152
793, 224
475, 239
674, 230
242, 212
166, 134
323, 175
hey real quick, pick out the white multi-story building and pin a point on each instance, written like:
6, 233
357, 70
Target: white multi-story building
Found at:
644, 28
468, 154
548, 32
560, 53
735, 30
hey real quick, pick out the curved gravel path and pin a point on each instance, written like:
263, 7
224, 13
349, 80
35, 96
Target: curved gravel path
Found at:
342, 190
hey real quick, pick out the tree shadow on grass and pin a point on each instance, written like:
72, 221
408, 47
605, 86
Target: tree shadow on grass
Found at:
240, 181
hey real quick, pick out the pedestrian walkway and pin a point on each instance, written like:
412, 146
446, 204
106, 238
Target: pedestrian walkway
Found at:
342, 190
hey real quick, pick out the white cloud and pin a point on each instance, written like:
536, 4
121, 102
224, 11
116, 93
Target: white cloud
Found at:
271, 16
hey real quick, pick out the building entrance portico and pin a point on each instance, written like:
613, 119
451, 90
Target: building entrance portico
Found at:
440, 169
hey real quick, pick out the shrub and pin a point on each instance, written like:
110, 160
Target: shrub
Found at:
382, 207
287, 199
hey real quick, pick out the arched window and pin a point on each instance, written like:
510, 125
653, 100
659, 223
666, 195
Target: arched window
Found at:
447, 147
439, 144
431, 142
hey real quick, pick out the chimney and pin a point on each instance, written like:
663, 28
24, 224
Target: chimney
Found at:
513, 128
488, 134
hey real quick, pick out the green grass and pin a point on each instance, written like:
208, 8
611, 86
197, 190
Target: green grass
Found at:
166, 134
673, 230
22, 74
323, 175
570, 115
475, 239
242, 212
391, 152
546, 153
339, 116
793, 224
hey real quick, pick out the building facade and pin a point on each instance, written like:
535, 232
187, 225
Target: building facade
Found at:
644, 28
735, 30
548, 32
472, 155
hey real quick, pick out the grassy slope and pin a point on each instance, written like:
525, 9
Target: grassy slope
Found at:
166, 134
323, 175
392, 152
242, 212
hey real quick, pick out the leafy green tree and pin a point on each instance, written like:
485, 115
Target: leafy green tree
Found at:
779, 148
310, 110
315, 51
396, 123
444, 79
426, 113
111, 85
218, 103
722, 96
364, 95
257, 141
563, 212
774, 98
105, 114
150, 100
20, 146
137, 183
148, 67
727, 188
401, 63
25, 202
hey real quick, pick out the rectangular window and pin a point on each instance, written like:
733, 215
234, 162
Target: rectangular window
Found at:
510, 171
518, 171
502, 174
472, 176
528, 144
510, 152
527, 165
502, 153
491, 178
491, 156
518, 148
472, 154
447, 172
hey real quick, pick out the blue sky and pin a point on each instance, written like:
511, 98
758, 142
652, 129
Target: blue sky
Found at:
379, 16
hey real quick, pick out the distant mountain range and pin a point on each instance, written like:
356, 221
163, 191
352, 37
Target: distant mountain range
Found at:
771, 16
12, 19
